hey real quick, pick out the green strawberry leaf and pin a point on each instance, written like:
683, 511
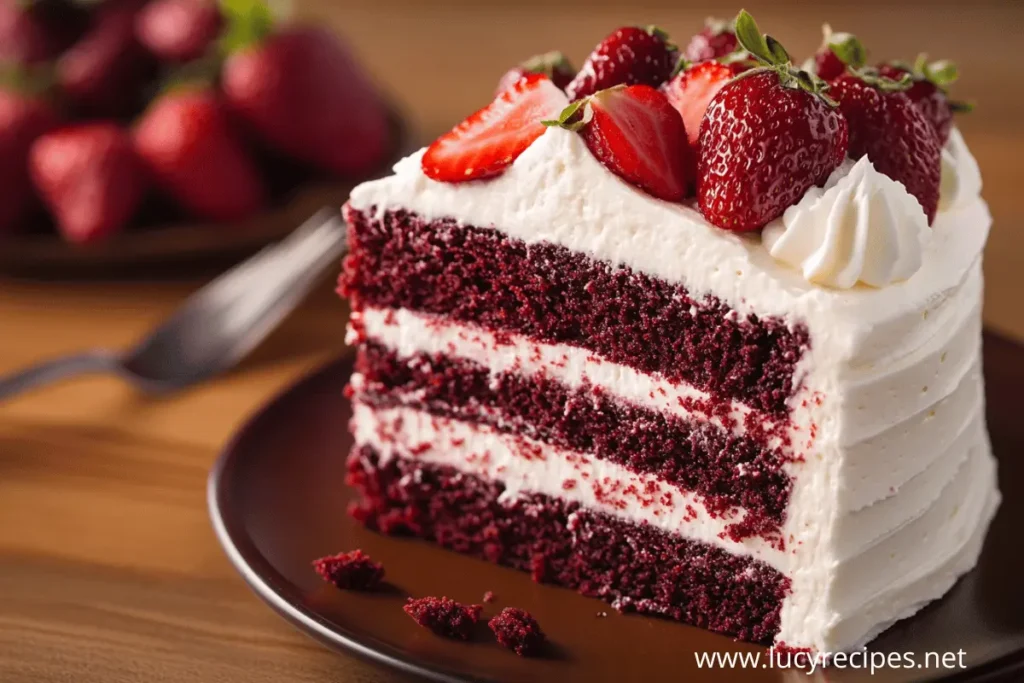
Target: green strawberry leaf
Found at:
753, 41
848, 49
247, 22
565, 119
942, 73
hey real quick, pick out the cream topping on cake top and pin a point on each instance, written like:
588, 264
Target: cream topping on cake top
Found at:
862, 226
961, 177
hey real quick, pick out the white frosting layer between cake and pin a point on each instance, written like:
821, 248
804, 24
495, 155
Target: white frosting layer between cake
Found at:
896, 484
596, 484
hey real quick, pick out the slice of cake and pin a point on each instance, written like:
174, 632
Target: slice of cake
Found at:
728, 376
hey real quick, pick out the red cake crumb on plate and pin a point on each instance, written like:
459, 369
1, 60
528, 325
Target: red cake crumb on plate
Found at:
517, 630
444, 616
351, 571
489, 596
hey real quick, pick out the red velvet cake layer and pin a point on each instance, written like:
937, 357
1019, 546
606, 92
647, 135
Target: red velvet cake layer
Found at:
694, 455
555, 295
635, 567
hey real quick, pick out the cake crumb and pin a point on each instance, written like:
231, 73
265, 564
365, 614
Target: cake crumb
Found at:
352, 570
602, 614
489, 596
444, 616
517, 630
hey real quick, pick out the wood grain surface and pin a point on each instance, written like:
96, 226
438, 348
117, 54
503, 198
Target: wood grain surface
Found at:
109, 571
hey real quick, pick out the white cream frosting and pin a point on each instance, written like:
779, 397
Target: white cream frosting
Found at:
896, 485
961, 177
861, 227
511, 460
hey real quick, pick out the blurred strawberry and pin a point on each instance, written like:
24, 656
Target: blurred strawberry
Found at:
33, 32
554, 65
628, 56
190, 148
837, 52
89, 177
302, 92
103, 73
177, 30
716, 39
24, 116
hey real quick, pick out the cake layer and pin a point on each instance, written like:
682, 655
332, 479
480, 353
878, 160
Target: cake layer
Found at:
726, 469
524, 465
408, 334
636, 567
548, 292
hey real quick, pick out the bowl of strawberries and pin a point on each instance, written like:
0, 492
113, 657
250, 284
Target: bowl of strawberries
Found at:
134, 132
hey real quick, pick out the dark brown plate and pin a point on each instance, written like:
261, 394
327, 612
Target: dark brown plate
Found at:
181, 243
277, 500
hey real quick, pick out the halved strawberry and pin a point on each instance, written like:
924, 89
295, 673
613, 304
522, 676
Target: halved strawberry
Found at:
489, 141
637, 135
691, 90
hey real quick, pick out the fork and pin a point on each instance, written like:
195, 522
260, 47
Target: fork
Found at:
217, 326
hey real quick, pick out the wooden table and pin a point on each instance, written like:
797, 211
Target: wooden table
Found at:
109, 571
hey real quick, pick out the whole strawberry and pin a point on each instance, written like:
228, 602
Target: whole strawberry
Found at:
928, 91
104, 72
304, 95
717, 39
487, 142
554, 65
838, 52
899, 140
24, 116
628, 56
177, 30
90, 179
767, 137
187, 142
636, 134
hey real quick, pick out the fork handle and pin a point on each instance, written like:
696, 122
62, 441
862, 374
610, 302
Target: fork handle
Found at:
57, 369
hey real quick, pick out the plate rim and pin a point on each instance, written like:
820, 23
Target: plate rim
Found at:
244, 557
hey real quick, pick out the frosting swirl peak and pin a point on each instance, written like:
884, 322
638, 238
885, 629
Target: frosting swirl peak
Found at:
861, 227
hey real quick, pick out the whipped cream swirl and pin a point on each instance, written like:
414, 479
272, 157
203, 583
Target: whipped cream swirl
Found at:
961, 177
863, 226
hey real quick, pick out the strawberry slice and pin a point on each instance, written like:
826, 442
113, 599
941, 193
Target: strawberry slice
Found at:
489, 141
637, 135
